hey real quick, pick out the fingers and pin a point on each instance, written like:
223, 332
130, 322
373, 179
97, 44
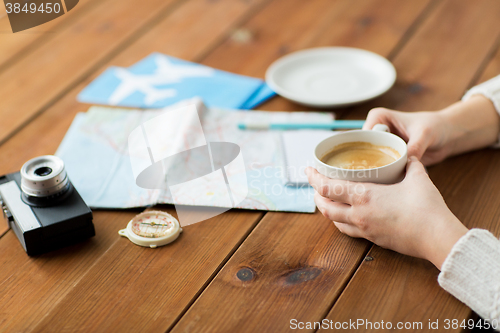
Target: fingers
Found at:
418, 143
334, 189
414, 168
349, 229
397, 121
377, 116
418, 137
334, 211
338, 213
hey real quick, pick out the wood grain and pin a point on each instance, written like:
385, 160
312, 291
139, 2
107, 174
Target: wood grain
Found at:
290, 266
377, 26
135, 289
470, 190
31, 287
438, 64
399, 288
65, 277
14, 47
275, 252
164, 38
395, 289
52, 69
454, 33
492, 67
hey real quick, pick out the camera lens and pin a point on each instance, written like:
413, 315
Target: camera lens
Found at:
44, 176
43, 171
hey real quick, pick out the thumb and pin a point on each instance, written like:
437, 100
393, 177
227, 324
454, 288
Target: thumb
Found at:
414, 167
418, 144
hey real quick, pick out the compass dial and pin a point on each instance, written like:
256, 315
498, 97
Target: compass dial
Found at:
152, 229
153, 224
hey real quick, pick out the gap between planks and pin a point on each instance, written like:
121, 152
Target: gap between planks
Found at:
108, 57
484, 64
216, 272
58, 24
121, 47
399, 46
130, 40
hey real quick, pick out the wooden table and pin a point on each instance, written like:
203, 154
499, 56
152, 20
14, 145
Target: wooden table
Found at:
243, 270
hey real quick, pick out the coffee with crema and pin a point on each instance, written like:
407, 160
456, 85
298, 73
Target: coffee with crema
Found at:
360, 155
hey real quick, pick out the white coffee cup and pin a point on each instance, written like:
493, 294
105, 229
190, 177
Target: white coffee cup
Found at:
380, 136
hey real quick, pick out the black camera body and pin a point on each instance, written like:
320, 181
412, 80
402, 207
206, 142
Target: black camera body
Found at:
43, 208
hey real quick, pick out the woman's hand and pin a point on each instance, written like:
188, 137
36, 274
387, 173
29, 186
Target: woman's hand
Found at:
426, 133
410, 217
433, 136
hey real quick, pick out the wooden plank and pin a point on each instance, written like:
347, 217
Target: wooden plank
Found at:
134, 289
39, 79
31, 287
493, 66
436, 67
3, 12
162, 38
54, 287
434, 70
292, 265
471, 190
377, 26
374, 25
394, 289
191, 31
15, 46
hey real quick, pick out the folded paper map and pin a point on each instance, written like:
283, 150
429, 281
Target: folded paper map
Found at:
97, 158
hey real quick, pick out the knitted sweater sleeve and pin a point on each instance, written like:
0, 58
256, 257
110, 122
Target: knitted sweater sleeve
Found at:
491, 90
471, 273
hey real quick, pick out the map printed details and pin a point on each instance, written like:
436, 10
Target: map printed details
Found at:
97, 144
158, 81
170, 152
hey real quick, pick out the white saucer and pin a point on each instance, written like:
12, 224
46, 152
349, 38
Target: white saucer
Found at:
331, 76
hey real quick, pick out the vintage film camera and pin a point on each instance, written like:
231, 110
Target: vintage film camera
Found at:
43, 208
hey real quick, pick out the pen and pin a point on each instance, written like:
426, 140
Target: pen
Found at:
337, 124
